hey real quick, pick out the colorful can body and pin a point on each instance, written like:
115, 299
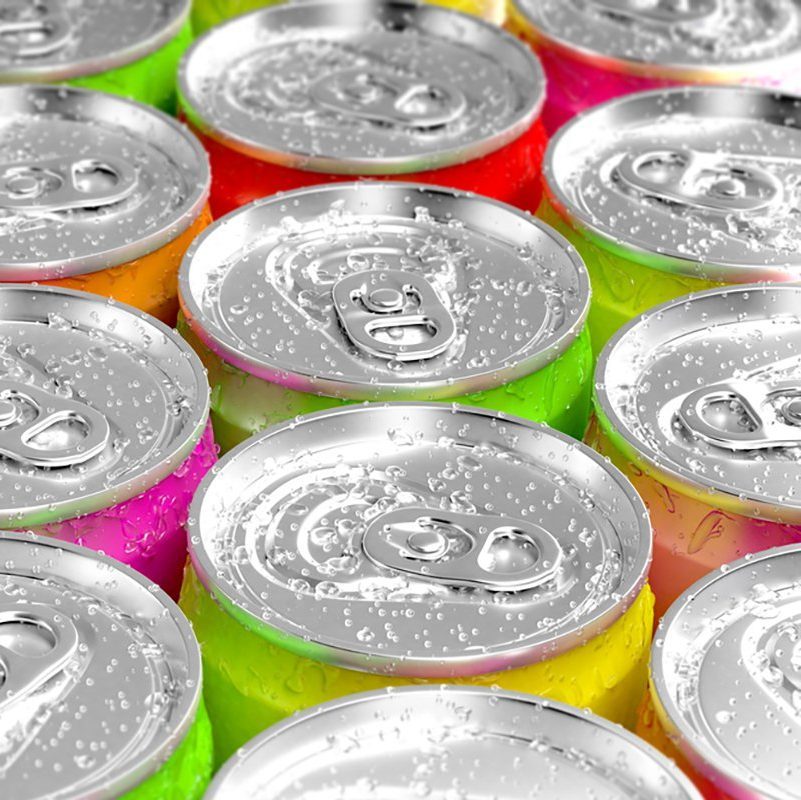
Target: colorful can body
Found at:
98, 193
373, 546
667, 193
369, 291
725, 678
445, 741
302, 94
101, 693
696, 403
597, 50
104, 431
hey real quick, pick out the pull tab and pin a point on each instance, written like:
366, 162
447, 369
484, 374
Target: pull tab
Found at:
393, 314
763, 418
31, 28
476, 551
389, 99
57, 184
41, 641
707, 181
784, 648
664, 12
27, 413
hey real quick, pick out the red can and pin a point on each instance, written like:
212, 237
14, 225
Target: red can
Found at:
295, 95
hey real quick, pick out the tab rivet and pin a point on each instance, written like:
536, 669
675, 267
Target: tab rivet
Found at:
427, 543
385, 300
8, 412
792, 411
23, 184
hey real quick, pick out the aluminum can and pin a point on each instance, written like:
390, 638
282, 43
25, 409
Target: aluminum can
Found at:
101, 681
389, 544
725, 678
597, 50
103, 427
367, 291
698, 404
301, 94
449, 741
98, 193
667, 193
118, 46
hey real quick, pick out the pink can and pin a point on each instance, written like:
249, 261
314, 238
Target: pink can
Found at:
104, 432
596, 50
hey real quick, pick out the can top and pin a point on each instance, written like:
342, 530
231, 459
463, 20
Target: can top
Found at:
101, 673
361, 88
90, 181
448, 741
55, 40
716, 41
371, 290
705, 393
726, 678
98, 402
345, 535
696, 181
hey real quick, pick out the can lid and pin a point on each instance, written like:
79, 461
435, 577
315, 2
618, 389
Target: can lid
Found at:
98, 402
726, 674
55, 40
377, 538
448, 741
361, 88
704, 392
714, 41
90, 181
100, 673
370, 290
695, 181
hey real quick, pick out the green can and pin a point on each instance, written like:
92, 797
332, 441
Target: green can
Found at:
117, 46
670, 192
371, 291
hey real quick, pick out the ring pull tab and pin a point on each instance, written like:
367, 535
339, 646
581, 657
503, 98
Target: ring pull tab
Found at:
740, 415
393, 314
41, 641
389, 99
706, 181
28, 414
475, 551
57, 184
661, 12
784, 649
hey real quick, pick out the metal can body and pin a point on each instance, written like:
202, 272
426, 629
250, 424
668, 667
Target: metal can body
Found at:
384, 91
672, 192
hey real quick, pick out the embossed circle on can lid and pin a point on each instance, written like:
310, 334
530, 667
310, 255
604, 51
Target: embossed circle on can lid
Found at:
709, 40
448, 741
726, 678
372, 290
704, 182
420, 539
98, 403
100, 673
55, 40
704, 392
361, 87
90, 181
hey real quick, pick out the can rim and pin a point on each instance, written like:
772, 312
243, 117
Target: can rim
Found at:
87, 67
140, 772
396, 165
310, 381
143, 479
361, 659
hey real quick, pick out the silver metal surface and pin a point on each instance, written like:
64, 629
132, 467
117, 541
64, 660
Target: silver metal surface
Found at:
98, 402
697, 181
100, 673
445, 742
726, 675
372, 290
362, 87
90, 181
342, 535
